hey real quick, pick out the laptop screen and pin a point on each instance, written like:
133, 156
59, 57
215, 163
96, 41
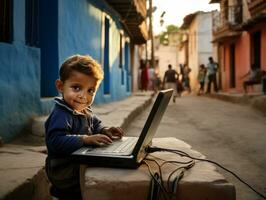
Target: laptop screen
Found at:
152, 122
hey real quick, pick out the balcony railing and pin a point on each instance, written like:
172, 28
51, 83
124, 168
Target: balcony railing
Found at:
230, 17
256, 6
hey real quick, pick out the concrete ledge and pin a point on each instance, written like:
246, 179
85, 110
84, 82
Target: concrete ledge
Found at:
36, 188
21, 172
200, 182
255, 100
259, 103
37, 126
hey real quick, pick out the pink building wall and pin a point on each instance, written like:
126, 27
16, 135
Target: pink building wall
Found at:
263, 45
242, 57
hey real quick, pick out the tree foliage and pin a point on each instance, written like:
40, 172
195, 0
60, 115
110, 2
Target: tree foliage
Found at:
164, 35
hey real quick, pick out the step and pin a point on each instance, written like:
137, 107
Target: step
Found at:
22, 173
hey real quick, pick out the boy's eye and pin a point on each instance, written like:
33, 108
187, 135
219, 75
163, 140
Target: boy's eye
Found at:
76, 88
91, 91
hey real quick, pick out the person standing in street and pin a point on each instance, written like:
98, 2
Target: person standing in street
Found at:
201, 78
212, 68
151, 75
144, 77
186, 72
170, 80
157, 82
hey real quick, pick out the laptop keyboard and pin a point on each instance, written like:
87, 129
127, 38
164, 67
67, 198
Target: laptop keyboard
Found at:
119, 146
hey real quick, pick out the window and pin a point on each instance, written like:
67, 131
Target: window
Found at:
32, 23
121, 58
106, 80
6, 21
127, 66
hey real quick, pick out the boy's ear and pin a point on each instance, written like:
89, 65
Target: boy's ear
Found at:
59, 85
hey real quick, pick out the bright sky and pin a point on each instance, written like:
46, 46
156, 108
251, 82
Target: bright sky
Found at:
176, 10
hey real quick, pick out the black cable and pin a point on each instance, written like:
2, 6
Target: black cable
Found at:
160, 172
156, 180
181, 153
178, 178
186, 165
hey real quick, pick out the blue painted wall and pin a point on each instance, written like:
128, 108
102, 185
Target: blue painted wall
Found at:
28, 73
49, 46
81, 32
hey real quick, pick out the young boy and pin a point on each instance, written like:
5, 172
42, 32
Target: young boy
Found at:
201, 78
72, 124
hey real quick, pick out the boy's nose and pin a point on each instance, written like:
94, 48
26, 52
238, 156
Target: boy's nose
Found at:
82, 95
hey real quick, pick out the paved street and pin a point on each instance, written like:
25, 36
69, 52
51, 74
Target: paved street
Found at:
230, 134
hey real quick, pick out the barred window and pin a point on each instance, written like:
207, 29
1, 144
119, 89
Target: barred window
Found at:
6, 21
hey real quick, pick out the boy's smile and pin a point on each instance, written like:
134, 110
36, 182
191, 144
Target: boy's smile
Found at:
78, 90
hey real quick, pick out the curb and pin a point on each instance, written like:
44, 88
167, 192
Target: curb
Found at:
259, 103
36, 188
135, 113
256, 101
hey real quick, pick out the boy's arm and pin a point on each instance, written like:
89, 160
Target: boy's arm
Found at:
58, 139
111, 132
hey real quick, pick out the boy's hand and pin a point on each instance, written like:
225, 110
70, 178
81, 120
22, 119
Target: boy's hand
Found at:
113, 132
97, 139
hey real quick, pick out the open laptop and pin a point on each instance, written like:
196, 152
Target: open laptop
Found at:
129, 151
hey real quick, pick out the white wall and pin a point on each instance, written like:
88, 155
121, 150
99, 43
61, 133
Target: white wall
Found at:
166, 55
200, 46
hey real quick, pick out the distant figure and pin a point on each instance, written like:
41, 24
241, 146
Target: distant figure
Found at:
170, 80
186, 79
254, 77
157, 82
212, 68
201, 78
181, 72
144, 78
151, 78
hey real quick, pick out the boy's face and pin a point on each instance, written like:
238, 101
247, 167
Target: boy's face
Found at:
78, 90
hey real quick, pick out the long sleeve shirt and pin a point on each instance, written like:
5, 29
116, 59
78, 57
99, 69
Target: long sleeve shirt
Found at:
64, 128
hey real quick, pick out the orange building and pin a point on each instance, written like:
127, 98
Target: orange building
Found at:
239, 33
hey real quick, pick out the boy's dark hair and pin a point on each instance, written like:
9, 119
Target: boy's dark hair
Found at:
83, 64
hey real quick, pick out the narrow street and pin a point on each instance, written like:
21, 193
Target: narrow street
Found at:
230, 134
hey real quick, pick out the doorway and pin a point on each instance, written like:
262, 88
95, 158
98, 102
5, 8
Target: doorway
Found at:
256, 48
232, 81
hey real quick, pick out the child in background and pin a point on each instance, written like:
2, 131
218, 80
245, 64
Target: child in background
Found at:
201, 78
186, 78
72, 124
